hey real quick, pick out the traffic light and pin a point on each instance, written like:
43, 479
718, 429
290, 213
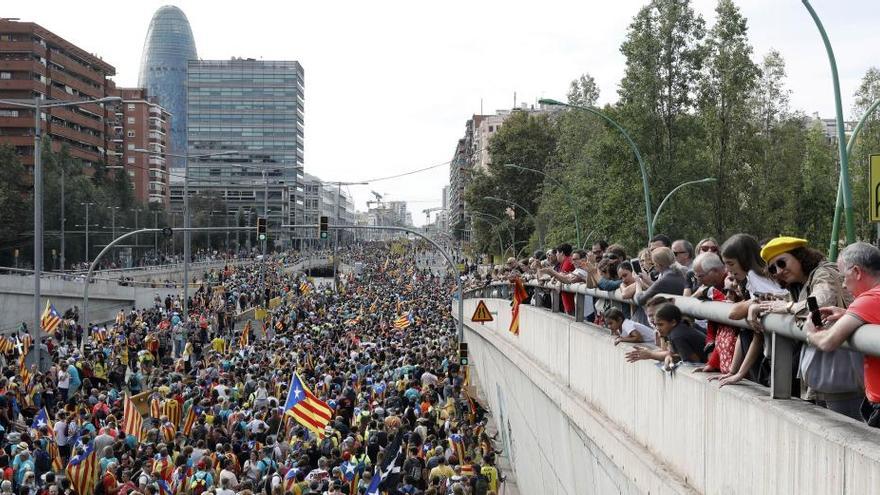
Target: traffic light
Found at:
322, 228
261, 228
463, 354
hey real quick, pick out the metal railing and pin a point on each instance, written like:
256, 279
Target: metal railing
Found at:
784, 330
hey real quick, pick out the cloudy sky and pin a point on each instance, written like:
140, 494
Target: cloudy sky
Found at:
390, 84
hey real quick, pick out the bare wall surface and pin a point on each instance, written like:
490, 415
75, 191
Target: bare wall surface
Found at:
578, 419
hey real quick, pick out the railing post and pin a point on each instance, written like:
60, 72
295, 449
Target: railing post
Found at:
554, 300
579, 310
781, 367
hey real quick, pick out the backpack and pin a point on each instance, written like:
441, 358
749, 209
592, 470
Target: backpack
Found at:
326, 446
481, 485
42, 461
198, 485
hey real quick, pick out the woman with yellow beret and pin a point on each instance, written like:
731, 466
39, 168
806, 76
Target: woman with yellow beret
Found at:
833, 379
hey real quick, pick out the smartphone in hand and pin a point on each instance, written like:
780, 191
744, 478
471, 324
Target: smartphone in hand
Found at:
815, 316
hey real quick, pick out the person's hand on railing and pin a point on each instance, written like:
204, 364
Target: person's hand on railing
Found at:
637, 353
754, 317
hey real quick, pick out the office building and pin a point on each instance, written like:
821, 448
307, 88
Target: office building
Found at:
245, 120
168, 46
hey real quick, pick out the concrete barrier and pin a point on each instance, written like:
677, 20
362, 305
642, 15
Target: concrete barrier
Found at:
580, 419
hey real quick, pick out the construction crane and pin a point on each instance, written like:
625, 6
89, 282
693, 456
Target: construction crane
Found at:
377, 202
428, 212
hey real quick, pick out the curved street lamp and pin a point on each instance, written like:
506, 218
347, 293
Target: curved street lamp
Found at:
577, 224
676, 188
497, 219
835, 227
845, 191
632, 144
534, 218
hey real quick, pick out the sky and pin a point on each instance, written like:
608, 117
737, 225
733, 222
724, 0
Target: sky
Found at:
389, 85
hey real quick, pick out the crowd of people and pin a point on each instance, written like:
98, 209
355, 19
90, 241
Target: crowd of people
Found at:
784, 275
219, 392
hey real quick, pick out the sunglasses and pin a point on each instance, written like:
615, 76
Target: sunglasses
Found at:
780, 264
707, 249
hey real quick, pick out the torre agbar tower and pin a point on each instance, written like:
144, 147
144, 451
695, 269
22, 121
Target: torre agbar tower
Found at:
167, 48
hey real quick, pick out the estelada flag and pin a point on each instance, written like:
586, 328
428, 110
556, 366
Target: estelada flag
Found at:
519, 295
132, 421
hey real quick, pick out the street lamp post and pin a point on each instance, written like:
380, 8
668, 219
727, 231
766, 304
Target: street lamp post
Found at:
534, 218
565, 189
87, 229
844, 184
37, 106
500, 221
632, 144
676, 188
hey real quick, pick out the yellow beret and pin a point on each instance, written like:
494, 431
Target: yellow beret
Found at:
781, 245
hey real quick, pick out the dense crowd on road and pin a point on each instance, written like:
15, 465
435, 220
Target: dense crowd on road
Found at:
218, 391
782, 275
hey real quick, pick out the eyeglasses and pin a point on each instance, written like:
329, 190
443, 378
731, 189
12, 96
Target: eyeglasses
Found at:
609, 256
679, 252
780, 264
707, 249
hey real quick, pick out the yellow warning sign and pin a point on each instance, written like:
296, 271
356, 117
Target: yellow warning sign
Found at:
481, 314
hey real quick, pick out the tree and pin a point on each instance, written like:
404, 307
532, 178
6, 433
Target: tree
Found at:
867, 144
583, 91
725, 91
123, 192
16, 205
526, 140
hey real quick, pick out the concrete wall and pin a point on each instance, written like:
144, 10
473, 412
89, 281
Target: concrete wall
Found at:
580, 419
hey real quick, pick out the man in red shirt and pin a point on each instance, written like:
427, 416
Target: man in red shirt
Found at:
860, 265
563, 254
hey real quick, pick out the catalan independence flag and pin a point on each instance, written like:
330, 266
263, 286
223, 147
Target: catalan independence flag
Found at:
519, 295
172, 409
82, 471
305, 289
50, 319
307, 409
6, 345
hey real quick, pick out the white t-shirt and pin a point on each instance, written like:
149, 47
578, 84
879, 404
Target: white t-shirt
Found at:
759, 283
629, 326
63, 379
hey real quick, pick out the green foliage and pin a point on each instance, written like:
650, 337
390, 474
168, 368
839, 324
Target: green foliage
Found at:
525, 140
697, 105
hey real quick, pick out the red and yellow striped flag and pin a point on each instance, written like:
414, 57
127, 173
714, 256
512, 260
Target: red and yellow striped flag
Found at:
132, 421
244, 340
190, 420
82, 471
306, 409
519, 296
172, 411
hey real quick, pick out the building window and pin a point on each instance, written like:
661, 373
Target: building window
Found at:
131, 146
131, 134
131, 159
131, 106
131, 120
131, 173
8, 113
5, 75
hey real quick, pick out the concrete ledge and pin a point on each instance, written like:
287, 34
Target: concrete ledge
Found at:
677, 433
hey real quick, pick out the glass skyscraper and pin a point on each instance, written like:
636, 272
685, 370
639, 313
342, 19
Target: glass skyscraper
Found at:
254, 108
168, 47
